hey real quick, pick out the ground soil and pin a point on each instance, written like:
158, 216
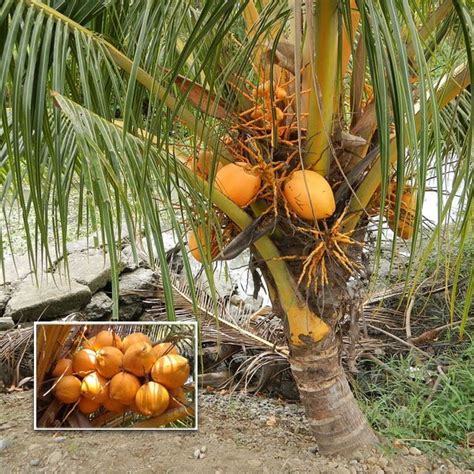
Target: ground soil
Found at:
237, 434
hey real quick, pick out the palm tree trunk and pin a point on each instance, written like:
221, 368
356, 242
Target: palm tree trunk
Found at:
337, 422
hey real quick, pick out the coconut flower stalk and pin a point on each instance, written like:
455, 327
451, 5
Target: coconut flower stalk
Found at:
350, 90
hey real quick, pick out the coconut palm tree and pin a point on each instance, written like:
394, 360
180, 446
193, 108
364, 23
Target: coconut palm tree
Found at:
340, 115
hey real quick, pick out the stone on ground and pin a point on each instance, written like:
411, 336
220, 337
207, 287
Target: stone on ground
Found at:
5, 294
131, 288
89, 268
15, 268
6, 323
100, 307
52, 298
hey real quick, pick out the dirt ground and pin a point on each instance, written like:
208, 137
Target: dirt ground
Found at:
238, 434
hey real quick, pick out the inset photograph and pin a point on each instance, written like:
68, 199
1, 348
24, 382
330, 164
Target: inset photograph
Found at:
115, 376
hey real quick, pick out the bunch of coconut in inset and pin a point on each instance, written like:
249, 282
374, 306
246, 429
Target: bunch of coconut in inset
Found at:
121, 376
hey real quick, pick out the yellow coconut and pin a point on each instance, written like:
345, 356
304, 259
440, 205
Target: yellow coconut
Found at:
123, 388
114, 406
238, 183
109, 361
152, 399
68, 389
94, 387
138, 359
177, 397
194, 247
309, 195
87, 406
83, 362
107, 339
164, 348
134, 338
62, 367
172, 371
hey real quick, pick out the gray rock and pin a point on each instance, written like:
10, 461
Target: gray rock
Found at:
90, 268
203, 449
50, 299
196, 454
202, 455
4, 444
5, 294
80, 245
130, 312
100, 307
129, 261
133, 283
6, 323
34, 462
54, 457
59, 439
15, 268
414, 451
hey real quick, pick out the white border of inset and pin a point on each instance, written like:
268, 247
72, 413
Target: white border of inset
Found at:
121, 323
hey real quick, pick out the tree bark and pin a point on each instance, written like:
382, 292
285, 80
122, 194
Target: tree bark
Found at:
337, 422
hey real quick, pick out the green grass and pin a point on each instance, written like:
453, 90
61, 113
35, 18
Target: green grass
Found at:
403, 404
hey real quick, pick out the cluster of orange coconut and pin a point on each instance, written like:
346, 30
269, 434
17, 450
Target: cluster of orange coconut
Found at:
129, 375
307, 194
304, 195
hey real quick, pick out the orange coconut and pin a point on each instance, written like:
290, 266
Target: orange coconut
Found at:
87, 406
107, 339
123, 388
164, 348
202, 164
134, 338
238, 183
152, 399
109, 361
83, 362
62, 367
68, 389
177, 397
114, 406
194, 247
263, 91
309, 195
171, 370
89, 343
94, 387
406, 221
138, 359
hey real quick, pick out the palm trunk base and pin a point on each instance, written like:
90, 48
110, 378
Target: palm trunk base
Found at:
337, 422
